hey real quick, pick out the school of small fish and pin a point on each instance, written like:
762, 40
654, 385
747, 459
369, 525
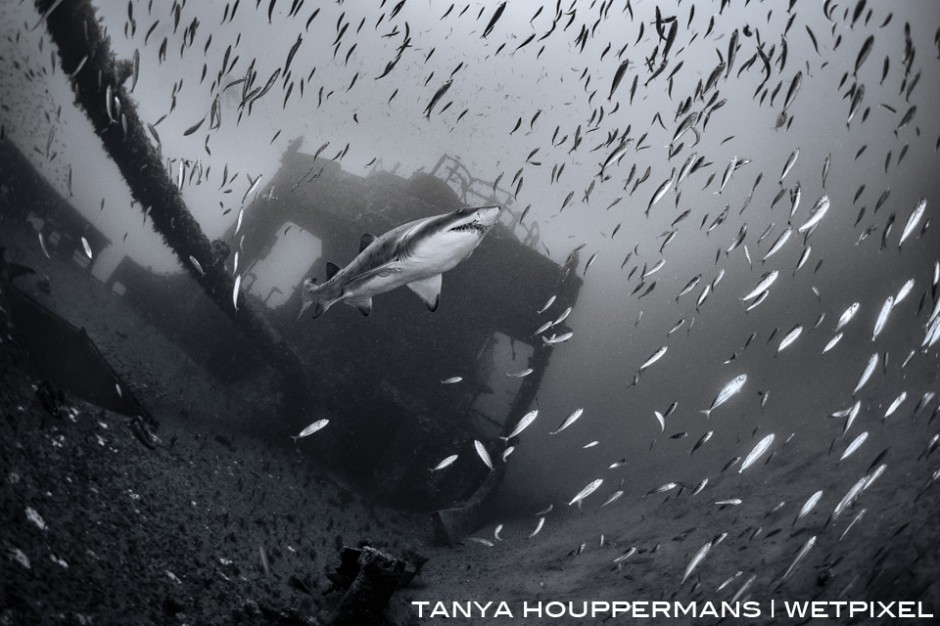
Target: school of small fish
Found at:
772, 269
698, 57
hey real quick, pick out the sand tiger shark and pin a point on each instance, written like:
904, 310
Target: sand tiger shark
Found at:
413, 254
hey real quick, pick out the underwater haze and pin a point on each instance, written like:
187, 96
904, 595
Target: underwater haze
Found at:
734, 198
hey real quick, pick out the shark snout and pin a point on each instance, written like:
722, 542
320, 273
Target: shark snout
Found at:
488, 215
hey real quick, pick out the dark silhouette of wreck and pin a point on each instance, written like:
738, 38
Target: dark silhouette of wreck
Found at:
382, 373
378, 378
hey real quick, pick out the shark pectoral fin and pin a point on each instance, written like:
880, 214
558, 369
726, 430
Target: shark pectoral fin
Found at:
365, 240
364, 305
429, 290
331, 269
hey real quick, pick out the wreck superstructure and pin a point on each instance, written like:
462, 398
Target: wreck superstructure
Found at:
26, 196
382, 374
378, 378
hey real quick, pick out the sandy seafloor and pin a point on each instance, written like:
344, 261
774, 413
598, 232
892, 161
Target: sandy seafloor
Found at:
129, 535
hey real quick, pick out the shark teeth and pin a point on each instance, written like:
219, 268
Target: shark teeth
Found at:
474, 226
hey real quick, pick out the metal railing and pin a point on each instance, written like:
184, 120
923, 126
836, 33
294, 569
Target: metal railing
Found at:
475, 191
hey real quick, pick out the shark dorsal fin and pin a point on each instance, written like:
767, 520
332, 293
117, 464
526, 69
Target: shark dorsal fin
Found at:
429, 290
365, 240
331, 269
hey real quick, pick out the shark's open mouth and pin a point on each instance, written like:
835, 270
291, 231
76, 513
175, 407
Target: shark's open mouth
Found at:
472, 226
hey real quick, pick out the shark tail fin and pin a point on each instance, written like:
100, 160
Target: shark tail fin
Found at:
706, 412
312, 296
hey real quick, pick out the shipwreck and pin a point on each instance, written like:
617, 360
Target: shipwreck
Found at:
377, 378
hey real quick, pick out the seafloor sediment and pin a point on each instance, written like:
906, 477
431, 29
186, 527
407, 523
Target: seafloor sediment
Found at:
98, 528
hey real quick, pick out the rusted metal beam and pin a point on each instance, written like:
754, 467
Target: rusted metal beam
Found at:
97, 80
